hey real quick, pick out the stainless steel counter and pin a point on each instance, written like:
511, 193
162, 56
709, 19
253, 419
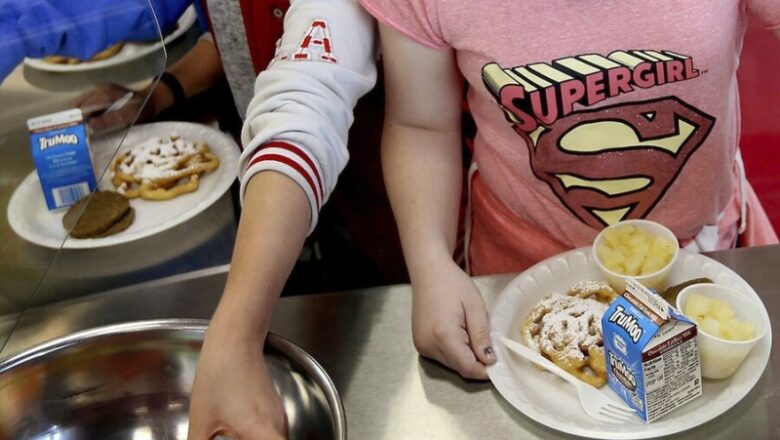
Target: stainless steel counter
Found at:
363, 340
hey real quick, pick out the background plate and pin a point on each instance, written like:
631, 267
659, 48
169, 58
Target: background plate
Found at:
31, 220
130, 51
552, 402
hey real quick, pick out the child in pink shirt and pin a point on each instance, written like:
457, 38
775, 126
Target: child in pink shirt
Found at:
588, 113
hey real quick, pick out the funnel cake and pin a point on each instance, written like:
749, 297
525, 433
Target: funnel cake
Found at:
599, 291
566, 329
160, 169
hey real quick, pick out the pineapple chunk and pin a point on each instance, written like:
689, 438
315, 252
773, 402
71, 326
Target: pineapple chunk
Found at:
697, 305
604, 252
710, 325
636, 239
745, 331
630, 250
633, 264
728, 329
652, 264
613, 259
717, 318
612, 238
642, 249
721, 310
662, 246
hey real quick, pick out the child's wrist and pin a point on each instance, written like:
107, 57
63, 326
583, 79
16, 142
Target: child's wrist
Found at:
242, 322
429, 262
166, 93
160, 98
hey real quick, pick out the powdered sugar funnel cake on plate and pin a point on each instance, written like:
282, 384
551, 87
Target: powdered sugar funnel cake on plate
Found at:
550, 401
157, 157
565, 330
162, 168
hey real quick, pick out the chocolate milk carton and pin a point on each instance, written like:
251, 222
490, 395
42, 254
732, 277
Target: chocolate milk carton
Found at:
60, 150
652, 358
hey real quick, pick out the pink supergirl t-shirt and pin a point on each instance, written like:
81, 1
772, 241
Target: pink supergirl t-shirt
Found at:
591, 112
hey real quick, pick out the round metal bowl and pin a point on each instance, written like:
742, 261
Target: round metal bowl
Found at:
133, 381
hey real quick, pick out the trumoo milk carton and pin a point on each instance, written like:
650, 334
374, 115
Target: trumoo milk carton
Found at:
652, 358
60, 150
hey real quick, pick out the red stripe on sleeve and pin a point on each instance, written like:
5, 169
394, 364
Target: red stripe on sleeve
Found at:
297, 151
292, 164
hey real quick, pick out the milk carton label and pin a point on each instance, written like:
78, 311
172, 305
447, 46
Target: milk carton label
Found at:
658, 307
60, 150
652, 358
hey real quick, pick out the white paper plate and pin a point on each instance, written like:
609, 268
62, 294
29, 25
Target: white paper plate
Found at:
129, 52
31, 220
552, 402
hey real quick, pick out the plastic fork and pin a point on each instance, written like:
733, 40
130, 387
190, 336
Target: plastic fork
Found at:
595, 403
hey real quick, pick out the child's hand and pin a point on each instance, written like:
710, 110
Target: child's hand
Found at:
450, 322
233, 395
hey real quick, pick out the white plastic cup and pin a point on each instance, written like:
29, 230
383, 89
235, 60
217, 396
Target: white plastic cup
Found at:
656, 280
720, 357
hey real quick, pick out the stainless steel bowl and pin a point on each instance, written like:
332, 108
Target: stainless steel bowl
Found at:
133, 381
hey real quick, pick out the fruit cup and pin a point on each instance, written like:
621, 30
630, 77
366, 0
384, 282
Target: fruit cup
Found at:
720, 357
642, 249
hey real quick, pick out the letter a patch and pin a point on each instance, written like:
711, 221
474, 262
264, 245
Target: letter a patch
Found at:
316, 44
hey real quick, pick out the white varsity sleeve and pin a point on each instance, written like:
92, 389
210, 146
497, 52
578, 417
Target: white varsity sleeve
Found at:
298, 121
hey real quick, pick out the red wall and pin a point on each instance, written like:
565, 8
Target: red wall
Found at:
759, 85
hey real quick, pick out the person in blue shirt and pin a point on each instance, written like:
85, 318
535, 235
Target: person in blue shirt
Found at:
78, 28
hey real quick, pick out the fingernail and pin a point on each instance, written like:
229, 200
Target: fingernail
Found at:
489, 353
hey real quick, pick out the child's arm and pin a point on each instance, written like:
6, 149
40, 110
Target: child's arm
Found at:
298, 121
421, 159
295, 136
233, 394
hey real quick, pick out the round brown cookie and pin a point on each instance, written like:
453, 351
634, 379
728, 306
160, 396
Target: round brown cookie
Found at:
73, 213
120, 225
92, 216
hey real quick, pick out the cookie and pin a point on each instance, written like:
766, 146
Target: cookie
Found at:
123, 223
92, 216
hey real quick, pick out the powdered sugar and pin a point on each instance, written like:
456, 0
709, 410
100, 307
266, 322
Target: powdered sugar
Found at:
589, 287
157, 158
570, 326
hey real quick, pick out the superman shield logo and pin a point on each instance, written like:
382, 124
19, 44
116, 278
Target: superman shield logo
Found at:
616, 162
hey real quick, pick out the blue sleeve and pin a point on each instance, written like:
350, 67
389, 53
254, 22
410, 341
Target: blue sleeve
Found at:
78, 28
203, 19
